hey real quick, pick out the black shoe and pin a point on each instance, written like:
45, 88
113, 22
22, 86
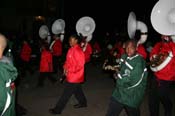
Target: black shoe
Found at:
53, 111
80, 105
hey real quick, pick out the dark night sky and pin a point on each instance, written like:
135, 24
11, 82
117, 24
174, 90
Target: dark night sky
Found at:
109, 14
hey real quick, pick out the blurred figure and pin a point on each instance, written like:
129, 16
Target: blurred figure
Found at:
46, 65
96, 53
25, 55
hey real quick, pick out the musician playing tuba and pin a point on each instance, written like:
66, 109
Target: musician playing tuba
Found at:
161, 58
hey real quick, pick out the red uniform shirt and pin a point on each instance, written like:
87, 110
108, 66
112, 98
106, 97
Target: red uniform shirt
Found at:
167, 73
26, 52
46, 61
57, 48
74, 65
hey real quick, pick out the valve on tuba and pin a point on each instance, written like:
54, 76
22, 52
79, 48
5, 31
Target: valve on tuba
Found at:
156, 60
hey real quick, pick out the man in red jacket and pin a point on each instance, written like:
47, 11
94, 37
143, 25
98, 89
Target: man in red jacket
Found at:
74, 71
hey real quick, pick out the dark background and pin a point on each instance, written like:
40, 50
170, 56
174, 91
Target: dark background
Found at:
109, 15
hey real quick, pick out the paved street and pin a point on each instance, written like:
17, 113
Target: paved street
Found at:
97, 88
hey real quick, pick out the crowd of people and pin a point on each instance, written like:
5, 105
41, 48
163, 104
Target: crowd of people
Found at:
132, 75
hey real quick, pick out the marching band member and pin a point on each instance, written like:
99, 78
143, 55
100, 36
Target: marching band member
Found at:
74, 72
46, 65
164, 75
25, 55
56, 49
131, 81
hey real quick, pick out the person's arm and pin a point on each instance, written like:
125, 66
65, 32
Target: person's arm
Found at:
135, 75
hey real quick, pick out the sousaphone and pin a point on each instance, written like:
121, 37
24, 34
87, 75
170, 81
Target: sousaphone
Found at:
163, 21
163, 17
134, 25
43, 32
58, 28
85, 26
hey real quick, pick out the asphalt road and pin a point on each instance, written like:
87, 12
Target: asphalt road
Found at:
97, 88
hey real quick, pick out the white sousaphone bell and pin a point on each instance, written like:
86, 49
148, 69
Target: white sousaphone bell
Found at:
134, 25
85, 26
163, 17
58, 28
43, 31
163, 21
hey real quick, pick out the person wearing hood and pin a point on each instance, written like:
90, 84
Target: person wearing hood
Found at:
8, 75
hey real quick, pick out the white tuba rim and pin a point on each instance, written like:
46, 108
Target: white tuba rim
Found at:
85, 25
134, 25
162, 17
58, 26
162, 65
43, 32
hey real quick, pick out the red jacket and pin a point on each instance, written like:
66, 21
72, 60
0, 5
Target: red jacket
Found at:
57, 48
74, 65
88, 52
141, 50
168, 72
46, 61
26, 52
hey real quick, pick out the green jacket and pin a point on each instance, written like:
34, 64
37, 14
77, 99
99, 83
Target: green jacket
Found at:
8, 73
131, 82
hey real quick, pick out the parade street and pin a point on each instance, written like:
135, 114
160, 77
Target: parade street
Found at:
97, 88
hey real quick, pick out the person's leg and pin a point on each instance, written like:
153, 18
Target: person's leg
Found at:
55, 64
114, 108
67, 93
153, 96
164, 90
79, 95
132, 111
